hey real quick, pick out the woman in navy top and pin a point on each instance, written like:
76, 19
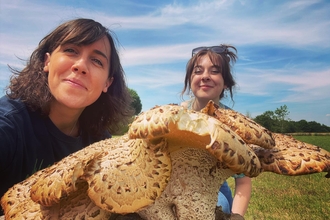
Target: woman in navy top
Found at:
71, 93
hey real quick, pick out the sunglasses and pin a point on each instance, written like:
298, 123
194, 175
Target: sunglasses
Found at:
216, 49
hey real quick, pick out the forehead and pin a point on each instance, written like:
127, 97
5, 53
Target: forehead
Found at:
210, 58
103, 45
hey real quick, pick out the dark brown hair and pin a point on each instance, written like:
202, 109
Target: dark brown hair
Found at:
222, 60
108, 112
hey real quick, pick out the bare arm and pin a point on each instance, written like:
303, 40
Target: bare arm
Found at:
243, 187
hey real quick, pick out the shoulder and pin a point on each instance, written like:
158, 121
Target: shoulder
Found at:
14, 121
187, 104
236, 176
223, 106
12, 113
184, 104
11, 106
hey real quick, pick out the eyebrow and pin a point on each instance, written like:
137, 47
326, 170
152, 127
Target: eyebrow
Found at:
213, 66
102, 54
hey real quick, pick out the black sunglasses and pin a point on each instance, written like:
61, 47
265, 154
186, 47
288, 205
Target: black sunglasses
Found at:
216, 49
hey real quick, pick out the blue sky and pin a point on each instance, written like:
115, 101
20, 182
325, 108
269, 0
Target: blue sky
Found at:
283, 46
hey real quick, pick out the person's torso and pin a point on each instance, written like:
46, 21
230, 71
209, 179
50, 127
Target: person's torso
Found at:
30, 142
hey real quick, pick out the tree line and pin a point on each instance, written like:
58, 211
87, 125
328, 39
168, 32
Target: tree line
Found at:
277, 121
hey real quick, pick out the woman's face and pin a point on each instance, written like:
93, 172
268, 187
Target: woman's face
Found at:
206, 80
77, 75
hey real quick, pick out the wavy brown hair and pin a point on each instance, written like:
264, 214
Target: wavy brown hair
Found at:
108, 112
223, 60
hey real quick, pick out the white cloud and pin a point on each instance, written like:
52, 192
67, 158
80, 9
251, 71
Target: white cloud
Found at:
156, 43
155, 78
152, 55
297, 85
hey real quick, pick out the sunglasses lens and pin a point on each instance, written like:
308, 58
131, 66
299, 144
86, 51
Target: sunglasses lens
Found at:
196, 50
216, 49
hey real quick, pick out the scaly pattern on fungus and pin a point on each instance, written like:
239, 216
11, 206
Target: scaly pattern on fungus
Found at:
170, 165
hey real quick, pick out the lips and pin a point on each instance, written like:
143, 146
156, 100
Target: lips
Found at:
76, 82
205, 86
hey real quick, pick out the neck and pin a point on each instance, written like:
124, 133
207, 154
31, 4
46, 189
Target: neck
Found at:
66, 121
74, 130
69, 128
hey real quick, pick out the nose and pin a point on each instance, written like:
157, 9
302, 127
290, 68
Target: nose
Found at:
80, 66
205, 76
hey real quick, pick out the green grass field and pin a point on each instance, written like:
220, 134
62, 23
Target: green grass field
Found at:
283, 197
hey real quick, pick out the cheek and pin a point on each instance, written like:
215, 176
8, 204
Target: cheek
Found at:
52, 81
219, 86
195, 80
218, 80
57, 70
52, 75
58, 67
100, 80
194, 83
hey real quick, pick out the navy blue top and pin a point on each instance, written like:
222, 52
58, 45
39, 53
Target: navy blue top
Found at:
30, 142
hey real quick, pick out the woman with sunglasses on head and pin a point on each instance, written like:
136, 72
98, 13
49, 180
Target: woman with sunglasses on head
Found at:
71, 93
208, 77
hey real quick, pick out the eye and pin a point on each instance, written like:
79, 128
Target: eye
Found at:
215, 71
70, 50
198, 71
98, 62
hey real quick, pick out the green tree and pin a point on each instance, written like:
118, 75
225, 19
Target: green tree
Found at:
276, 122
136, 104
266, 120
317, 127
280, 116
303, 126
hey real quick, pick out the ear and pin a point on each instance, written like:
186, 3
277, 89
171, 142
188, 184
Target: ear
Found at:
107, 84
46, 62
